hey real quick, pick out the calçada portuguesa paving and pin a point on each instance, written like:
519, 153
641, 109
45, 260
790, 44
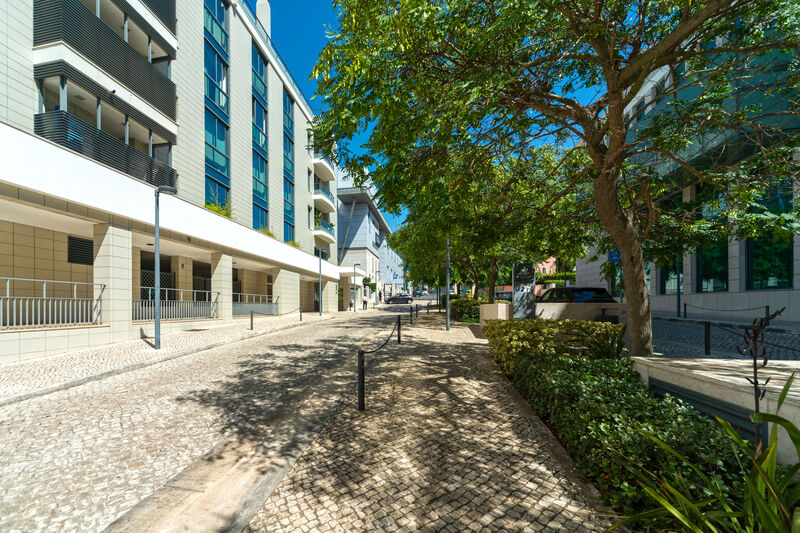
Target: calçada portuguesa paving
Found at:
265, 431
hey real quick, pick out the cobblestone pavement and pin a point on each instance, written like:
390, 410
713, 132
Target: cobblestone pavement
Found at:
442, 445
78, 459
24, 376
687, 340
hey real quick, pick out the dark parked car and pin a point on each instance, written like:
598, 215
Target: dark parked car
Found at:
579, 295
399, 299
503, 295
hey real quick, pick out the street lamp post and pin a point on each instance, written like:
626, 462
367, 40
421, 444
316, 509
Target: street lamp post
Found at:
447, 317
157, 310
355, 291
320, 285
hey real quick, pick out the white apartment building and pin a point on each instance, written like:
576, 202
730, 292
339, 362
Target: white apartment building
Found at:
102, 101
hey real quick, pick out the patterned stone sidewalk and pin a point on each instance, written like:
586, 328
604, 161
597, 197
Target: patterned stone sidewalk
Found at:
442, 445
36, 374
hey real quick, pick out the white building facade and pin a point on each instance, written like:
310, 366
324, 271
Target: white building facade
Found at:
105, 100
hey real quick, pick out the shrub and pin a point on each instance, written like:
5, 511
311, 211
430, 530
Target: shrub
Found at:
462, 310
220, 209
443, 299
601, 412
293, 243
554, 278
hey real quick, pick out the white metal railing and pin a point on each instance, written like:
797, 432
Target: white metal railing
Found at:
176, 304
29, 302
264, 304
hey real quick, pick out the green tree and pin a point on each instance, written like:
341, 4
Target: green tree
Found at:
424, 78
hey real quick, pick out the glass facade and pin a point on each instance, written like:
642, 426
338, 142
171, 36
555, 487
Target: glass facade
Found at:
216, 113
669, 280
712, 267
770, 256
288, 167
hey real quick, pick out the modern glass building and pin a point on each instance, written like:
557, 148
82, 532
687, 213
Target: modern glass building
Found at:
104, 100
730, 278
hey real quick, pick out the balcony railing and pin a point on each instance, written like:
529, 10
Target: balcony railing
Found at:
260, 138
259, 86
176, 304
74, 24
323, 190
84, 138
217, 159
319, 155
263, 304
215, 29
324, 225
164, 10
215, 93
38, 303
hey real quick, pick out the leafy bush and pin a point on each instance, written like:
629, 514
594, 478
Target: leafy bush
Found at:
293, 243
443, 299
554, 278
220, 209
462, 310
600, 411
771, 496
267, 232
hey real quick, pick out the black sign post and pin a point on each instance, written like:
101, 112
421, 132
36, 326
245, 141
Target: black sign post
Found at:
523, 296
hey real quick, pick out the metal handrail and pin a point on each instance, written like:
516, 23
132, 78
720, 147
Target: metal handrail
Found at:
173, 305
321, 189
324, 225
241, 297
49, 311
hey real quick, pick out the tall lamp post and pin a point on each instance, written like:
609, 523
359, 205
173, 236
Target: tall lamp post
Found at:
355, 291
320, 284
157, 342
447, 259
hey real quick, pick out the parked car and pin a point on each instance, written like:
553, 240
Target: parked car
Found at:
580, 295
399, 299
417, 293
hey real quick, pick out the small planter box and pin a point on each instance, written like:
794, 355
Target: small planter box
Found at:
494, 311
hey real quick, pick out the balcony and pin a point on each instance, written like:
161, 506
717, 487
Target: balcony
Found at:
323, 168
164, 10
323, 230
69, 21
323, 198
84, 138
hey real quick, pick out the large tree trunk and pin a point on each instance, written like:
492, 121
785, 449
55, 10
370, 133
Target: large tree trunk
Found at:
622, 229
492, 279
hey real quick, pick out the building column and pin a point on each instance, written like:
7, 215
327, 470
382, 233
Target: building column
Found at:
286, 288
737, 266
330, 297
113, 267
182, 267
136, 272
222, 282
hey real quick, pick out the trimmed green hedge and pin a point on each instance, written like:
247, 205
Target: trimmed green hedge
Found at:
443, 299
468, 310
598, 409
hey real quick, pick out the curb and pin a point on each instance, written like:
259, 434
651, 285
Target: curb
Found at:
142, 364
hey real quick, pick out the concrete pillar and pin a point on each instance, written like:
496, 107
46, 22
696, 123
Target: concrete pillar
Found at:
286, 288
113, 267
182, 267
737, 266
222, 282
330, 298
136, 272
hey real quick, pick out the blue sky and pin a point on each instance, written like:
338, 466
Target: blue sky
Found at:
299, 32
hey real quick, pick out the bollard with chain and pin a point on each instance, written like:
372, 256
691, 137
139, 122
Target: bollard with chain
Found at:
399, 322
361, 380
416, 310
410, 314
708, 337
301, 314
428, 309
684, 310
251, 320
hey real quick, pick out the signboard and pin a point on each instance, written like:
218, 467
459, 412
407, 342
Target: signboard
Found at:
614, 256
523, 296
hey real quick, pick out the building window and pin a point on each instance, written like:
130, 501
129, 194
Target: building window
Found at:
216, 193
712, 267
216, 143
259, 74
217, 8
288, 200
288, 232
288, 156
80, 251
288, 113
259, 115
770, 256
669, 280
259, 176
310, 211
259, 218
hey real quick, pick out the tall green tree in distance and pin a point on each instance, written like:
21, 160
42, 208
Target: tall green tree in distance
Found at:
432, 80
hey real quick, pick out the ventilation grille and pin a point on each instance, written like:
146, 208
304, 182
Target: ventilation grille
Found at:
80, 251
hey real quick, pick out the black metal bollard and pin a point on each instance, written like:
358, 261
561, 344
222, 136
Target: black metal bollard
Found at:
684, 310
708, 337
428, 309
251, 320
766, 310
417, 310
399, 325
410, 314
301, 314
361, 380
